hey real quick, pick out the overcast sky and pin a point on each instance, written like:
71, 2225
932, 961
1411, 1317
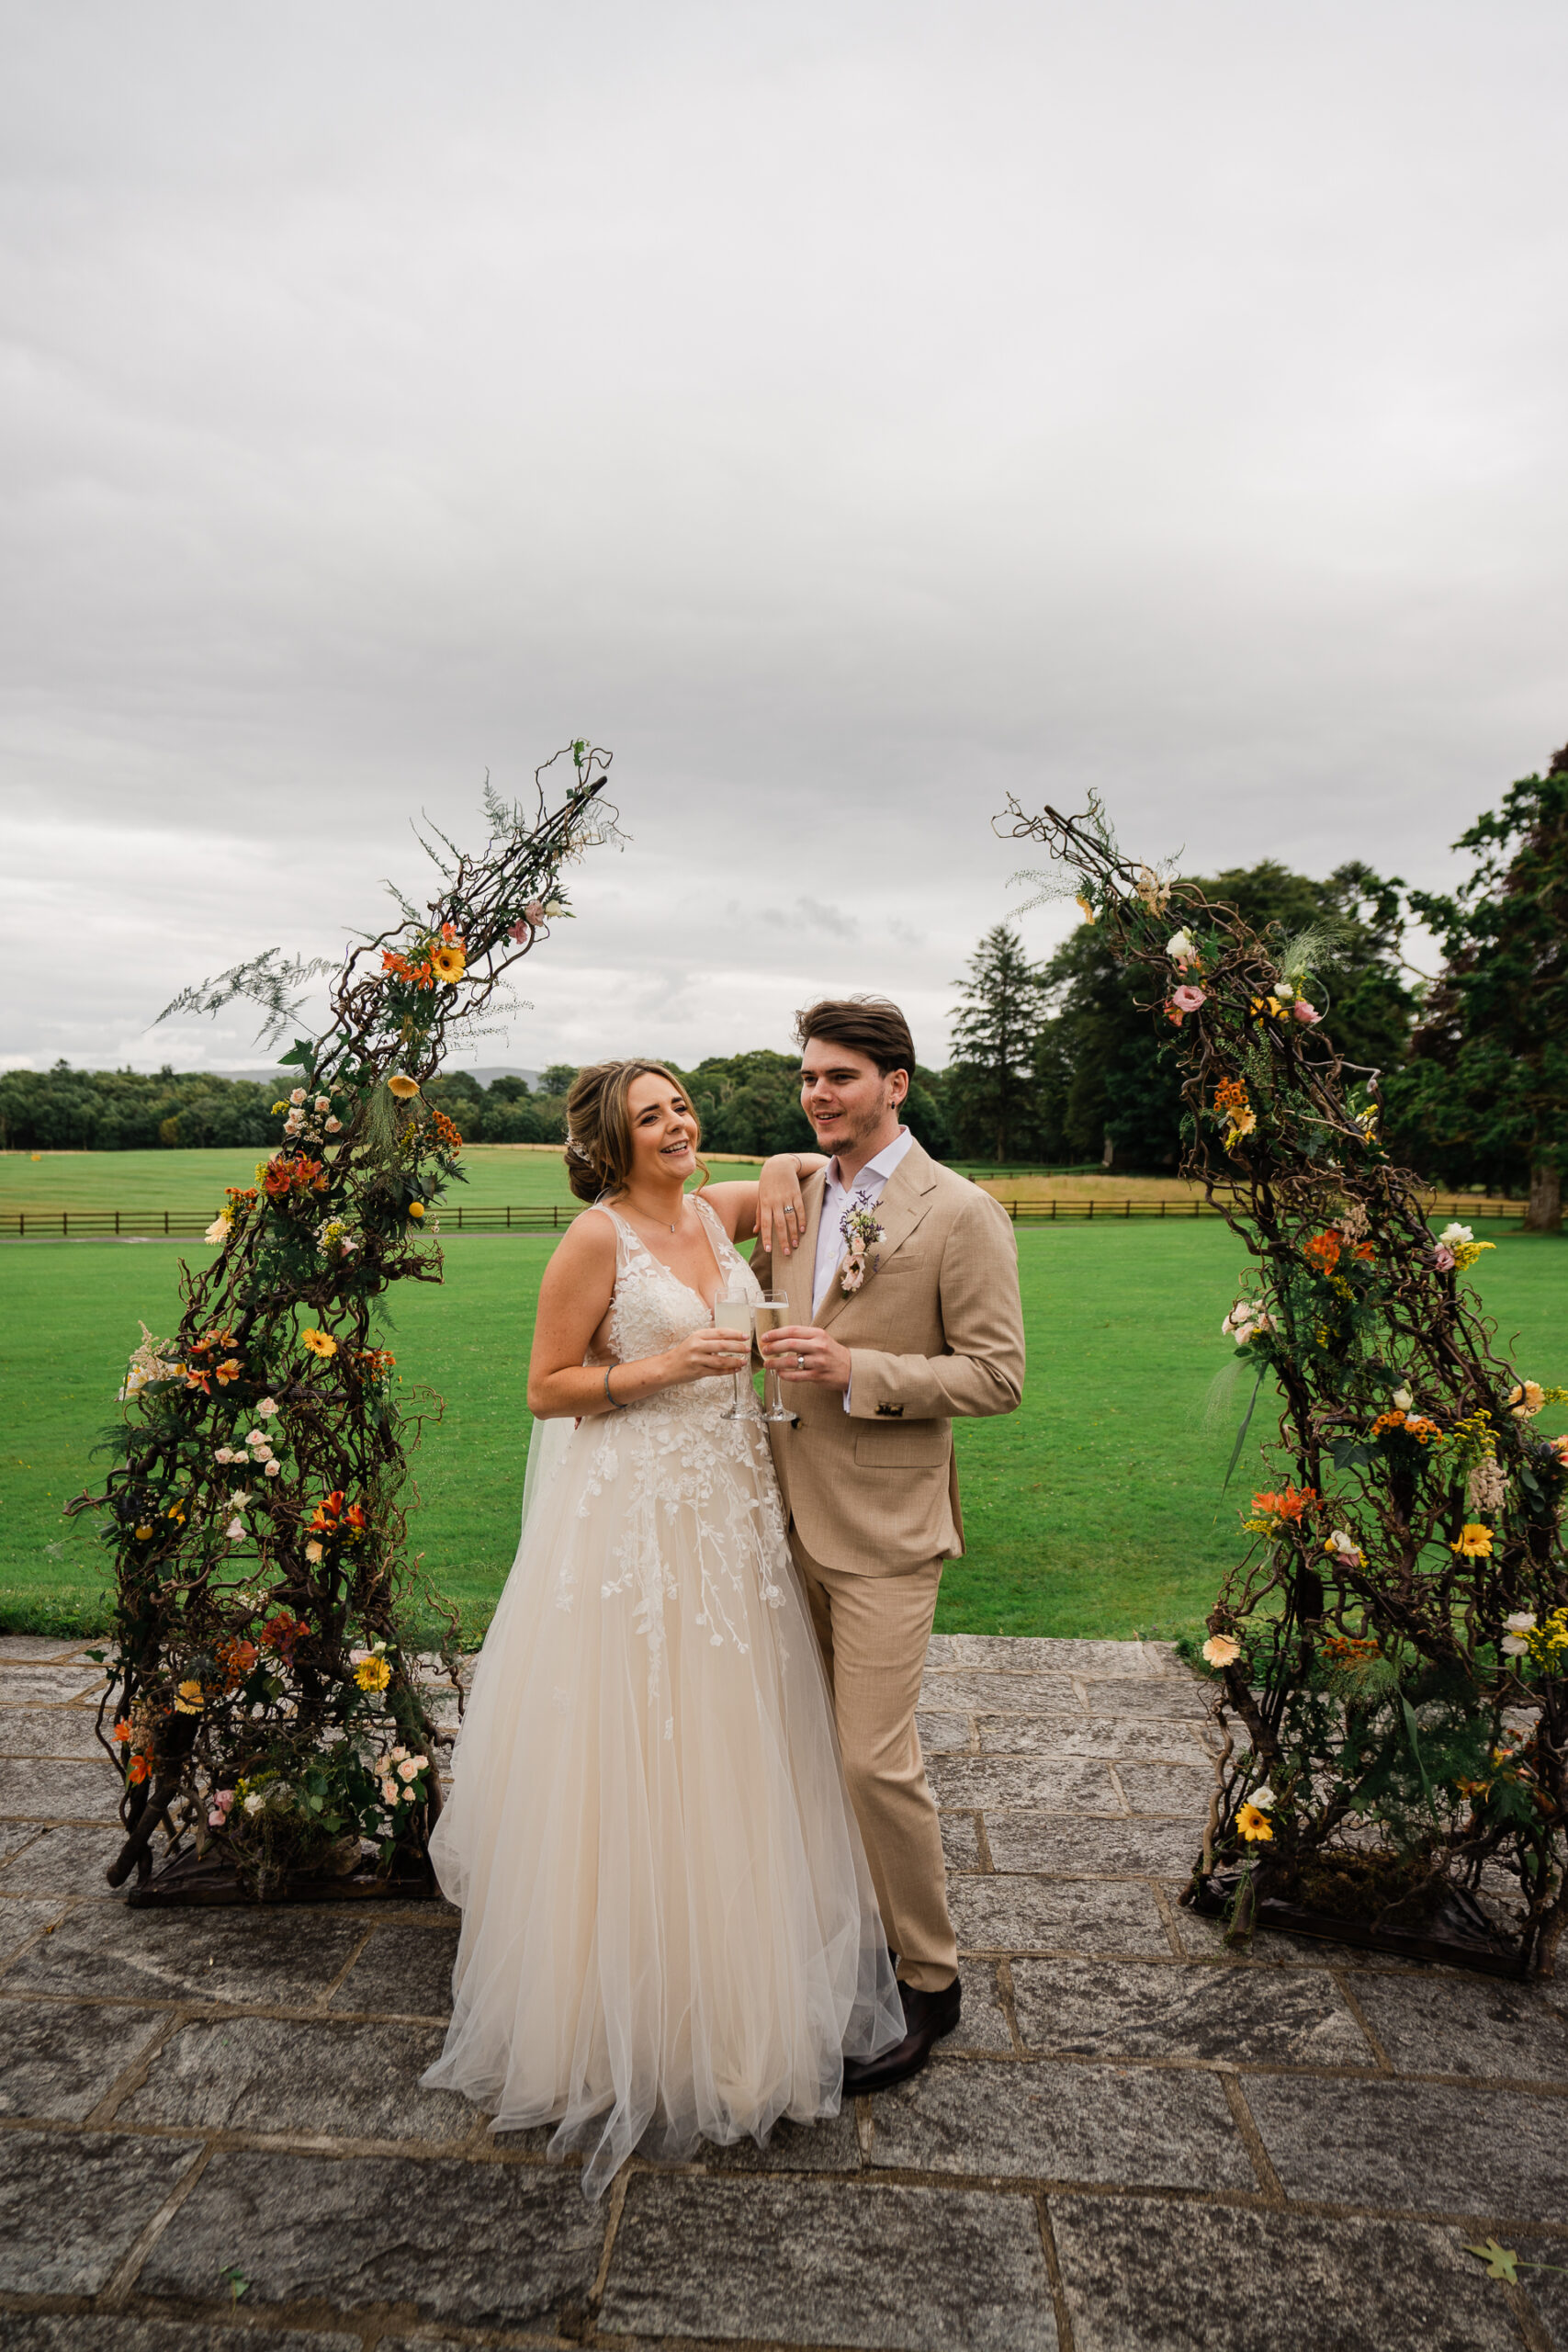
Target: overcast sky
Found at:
848, 413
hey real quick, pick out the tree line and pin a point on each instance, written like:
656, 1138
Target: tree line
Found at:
1059, 1064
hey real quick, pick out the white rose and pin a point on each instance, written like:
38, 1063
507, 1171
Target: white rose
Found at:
323, 1104
256, 1801
235, 1531
218, 1231
1514, 1645
1401, 1400
273, 1470
267, 1407
334, 1126
1521, 1621
1181, 948
1452, 1233
298, 1096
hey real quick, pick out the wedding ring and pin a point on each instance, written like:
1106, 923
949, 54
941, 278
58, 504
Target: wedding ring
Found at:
801, 1363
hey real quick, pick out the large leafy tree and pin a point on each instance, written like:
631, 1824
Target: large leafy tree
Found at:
1106, 1082
1486, 1096
996, 1027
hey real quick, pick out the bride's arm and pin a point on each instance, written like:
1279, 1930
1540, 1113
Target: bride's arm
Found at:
751, 1209
574, 1299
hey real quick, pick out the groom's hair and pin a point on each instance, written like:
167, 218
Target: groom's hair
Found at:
872, 1025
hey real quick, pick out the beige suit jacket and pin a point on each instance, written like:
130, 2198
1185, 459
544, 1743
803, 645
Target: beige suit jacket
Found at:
937, 1330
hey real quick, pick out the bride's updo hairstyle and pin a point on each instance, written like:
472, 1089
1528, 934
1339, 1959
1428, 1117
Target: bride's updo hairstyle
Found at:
599, 1125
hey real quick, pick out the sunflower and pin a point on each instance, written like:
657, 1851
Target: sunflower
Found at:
405, 1089
1252, 1825
320, 1343
372, 1674
449, 963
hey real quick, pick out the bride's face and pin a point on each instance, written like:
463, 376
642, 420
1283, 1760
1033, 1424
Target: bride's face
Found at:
664, 1132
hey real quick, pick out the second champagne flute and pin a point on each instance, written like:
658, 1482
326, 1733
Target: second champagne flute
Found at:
770, 1315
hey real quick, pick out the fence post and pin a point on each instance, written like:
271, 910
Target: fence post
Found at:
509, 1217
116, 1220
1091, 1208
555, 1213
65, 1223
165, 1223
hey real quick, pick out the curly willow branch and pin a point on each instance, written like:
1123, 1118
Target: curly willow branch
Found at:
1395, 1635
265, 1697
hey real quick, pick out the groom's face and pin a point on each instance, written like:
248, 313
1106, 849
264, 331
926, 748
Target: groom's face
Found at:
847, 1099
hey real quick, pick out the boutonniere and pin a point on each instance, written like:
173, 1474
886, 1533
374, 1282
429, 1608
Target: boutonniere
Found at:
862, 1233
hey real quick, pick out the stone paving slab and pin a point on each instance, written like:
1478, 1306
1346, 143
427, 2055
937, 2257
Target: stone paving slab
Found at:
1432, 2147
1136, 2138
1141, 2276
301, 2077
31, 1791
60, 2059
72, 2204
1099, 2009
768, 2261
468, 2245
1138, 2127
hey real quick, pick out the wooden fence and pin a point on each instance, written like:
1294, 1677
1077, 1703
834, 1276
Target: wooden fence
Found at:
553, 1216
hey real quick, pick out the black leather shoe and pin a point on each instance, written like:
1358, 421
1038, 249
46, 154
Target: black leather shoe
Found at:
927, 2015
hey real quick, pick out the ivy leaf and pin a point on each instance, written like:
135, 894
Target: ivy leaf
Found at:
1501, 2261
303, 1051
1349, 1451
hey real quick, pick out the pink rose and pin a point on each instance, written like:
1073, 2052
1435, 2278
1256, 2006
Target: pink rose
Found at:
1444, 1258
1184, 1000
1304, 1012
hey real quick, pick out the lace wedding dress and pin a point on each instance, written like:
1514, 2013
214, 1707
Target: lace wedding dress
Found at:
668, 1927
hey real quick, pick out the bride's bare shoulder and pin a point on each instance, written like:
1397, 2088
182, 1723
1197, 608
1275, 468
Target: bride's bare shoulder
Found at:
585, 1253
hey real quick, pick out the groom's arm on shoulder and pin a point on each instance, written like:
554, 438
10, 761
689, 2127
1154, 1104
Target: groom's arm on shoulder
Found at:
982, 1321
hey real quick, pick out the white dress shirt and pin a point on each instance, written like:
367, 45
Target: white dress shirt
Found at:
864, 1192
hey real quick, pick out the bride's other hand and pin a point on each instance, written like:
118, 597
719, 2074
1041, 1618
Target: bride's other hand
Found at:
781, 1211
704, 1355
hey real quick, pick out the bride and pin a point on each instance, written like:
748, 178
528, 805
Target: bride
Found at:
668, 1927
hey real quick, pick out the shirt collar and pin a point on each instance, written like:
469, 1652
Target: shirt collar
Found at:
880, 1169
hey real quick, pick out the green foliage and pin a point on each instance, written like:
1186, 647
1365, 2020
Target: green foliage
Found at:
1486, 1096
1104, 1074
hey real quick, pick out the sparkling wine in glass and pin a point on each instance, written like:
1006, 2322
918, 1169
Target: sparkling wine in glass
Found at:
732, 1314
770, 1315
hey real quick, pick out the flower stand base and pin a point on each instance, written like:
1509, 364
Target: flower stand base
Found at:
205, 1881
1459, 1934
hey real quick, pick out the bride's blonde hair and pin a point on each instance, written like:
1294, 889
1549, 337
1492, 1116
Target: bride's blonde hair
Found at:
599, 1125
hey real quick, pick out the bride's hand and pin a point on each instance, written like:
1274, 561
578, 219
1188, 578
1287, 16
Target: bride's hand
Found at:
704, 1355
779, 1205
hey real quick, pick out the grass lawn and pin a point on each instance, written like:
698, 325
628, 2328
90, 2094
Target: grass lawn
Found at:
1096, 1509
498, 1174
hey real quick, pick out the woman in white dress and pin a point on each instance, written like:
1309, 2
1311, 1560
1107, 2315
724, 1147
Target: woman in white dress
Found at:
668, 1927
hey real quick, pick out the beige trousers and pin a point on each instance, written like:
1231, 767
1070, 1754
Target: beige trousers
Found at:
874, 1632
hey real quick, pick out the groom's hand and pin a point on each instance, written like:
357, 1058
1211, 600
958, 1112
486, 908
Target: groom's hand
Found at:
800, 1351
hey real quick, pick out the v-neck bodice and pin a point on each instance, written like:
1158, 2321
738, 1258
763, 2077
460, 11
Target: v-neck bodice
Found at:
653, 1308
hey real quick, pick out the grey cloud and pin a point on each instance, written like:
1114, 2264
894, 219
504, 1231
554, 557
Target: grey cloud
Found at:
850, 417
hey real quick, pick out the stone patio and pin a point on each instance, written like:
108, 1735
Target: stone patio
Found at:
212, 2134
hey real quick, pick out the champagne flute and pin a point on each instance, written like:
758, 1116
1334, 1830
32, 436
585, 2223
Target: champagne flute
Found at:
770, 1315
732, 1314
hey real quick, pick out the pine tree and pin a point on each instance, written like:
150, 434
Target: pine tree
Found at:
995, 1027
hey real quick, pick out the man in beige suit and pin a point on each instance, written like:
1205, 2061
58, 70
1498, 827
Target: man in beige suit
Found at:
877, 1359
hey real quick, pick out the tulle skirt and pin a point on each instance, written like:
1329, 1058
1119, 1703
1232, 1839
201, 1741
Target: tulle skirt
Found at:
668, 1927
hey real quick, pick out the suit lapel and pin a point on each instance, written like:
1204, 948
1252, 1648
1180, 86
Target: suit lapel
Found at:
905, 1200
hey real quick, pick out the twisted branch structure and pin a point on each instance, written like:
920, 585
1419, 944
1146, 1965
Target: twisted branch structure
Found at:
1393, 1645
263, 1697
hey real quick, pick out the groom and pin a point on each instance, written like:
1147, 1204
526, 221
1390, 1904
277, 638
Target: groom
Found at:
879, 1357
